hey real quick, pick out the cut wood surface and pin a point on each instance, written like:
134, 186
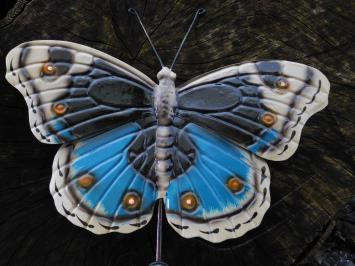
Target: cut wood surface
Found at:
307, 223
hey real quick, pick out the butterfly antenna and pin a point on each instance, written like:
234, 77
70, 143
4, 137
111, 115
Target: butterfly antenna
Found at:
199, 11
134, 12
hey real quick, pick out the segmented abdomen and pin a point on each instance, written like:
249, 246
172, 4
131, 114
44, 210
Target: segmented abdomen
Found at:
164, 149
165, 105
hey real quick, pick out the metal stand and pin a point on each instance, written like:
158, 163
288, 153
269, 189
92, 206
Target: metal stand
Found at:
158, 261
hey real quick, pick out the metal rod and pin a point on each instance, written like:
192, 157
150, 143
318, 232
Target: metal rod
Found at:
134, 12
199, 11
159, 231
158, 261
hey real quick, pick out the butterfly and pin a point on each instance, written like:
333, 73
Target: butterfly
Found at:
127, 141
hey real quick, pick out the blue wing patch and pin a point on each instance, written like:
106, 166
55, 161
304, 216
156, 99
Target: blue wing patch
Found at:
266, 139
95, 187
225, 191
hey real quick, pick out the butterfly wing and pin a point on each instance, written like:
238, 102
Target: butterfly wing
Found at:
96, 187
260, 106
100, 109
229, 115
73, 91
223, 194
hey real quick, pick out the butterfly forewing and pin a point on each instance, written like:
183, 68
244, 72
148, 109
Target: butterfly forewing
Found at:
73, 91
260, 106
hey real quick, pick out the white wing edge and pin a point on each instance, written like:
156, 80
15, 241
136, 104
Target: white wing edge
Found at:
14, 54
193, 229
66, 205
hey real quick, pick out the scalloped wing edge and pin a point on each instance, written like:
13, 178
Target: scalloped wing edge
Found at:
66, 206
80, 64
233, 226
13, 54
290, 69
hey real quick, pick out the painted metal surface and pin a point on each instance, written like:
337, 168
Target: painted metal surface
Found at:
127, 141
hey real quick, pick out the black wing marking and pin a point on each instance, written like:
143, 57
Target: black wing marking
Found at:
260, 106
74, 91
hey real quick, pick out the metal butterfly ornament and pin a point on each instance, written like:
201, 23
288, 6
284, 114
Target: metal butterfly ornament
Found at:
128, 142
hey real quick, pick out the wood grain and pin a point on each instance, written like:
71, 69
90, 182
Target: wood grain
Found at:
304, 225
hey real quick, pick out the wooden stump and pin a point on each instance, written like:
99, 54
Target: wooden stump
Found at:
303, 226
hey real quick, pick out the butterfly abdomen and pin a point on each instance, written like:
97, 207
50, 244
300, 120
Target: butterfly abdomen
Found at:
163, 156
164, 105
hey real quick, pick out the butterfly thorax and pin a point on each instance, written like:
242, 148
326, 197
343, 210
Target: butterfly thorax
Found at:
165, 104
165, 97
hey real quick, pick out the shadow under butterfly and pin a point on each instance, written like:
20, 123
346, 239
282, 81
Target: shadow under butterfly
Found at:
128, 142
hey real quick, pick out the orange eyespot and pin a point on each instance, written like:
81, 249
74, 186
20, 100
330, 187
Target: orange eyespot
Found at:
234, 184
189, 202
49, 69
268, 119
281, 83
86, 181
131, 201
60, 108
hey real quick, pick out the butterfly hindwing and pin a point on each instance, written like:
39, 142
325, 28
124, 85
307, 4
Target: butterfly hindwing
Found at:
73, 91
228, 185
96, 187
260, 106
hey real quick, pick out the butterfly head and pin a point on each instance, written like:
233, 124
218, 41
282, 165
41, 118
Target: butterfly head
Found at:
166, 74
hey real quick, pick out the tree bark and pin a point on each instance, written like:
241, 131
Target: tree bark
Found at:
306, 223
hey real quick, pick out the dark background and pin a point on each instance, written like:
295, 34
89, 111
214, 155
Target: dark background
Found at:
312, 217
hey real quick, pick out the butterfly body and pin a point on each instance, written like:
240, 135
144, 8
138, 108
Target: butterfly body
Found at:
165, 104
127, 141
